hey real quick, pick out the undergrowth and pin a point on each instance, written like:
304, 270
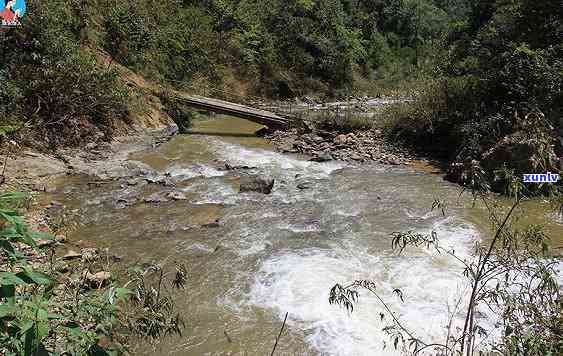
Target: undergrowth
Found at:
50, 307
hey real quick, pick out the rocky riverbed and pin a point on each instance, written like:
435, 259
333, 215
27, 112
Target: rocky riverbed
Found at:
359, 146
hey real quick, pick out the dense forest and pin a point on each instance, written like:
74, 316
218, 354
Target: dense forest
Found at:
481, 70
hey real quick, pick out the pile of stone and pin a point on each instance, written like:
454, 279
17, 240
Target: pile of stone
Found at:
359, 146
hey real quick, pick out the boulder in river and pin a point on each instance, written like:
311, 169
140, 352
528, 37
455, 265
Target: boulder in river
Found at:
256, 184
229, 167
305, 184
159, 179
55, 205
212, 224
324, 156
288, 148
356, 157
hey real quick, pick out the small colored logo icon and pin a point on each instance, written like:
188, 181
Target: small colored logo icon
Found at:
11, 11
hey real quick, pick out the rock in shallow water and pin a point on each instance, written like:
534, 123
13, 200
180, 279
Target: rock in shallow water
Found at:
156, 198
325, 156
256, 184
177, 196
304, 185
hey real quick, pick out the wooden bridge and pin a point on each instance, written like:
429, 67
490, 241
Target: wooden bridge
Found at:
262, 117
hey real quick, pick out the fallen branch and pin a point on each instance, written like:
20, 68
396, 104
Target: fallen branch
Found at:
279, 335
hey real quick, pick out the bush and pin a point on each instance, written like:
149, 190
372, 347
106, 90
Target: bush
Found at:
128, 35
54, 86
502, 77
27, 321
182, 114
43, 311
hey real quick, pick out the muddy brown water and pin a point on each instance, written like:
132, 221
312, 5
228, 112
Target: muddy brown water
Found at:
283, 252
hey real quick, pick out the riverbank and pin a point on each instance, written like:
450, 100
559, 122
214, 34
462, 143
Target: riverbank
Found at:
77, 283
35, 174
357, 146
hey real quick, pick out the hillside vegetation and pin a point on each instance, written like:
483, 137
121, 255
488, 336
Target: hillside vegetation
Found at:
495, 107
54, 82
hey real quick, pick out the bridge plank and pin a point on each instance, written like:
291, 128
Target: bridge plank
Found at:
262, 117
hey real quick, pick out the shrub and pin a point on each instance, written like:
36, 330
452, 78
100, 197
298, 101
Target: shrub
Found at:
182, 114
128, 35
53, 85
44, 312
27, 321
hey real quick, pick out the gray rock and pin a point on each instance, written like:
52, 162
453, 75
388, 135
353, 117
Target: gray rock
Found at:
55, 205
288, 148
305, 185
256, 184
317, 139
213, 224
176, 196
351, 138
237, 168
72, 255
325, 156
156, 198
162, 180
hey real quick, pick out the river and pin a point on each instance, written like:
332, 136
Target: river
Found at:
278, 253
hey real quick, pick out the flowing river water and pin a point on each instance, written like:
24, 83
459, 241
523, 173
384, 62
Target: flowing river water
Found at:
278, 253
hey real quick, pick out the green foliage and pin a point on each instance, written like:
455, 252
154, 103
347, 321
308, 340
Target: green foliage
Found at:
278, 46
186, 45
154, 314
53, 85
128, 34
502, 76
182, 114
41, 314
26, 317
